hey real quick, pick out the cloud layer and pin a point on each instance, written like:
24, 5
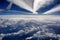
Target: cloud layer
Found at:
26, 25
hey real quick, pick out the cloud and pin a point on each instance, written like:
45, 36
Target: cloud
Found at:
41, 3
55, 9
37, 27
26, 4
32, 5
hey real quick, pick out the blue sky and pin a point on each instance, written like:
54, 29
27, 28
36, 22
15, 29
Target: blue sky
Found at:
4, 4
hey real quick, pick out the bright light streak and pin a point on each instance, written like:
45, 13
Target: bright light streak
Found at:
55, 9
41, 3
22, 4
31, 5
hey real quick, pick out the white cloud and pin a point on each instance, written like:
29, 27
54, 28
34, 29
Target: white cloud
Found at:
1, 38
46, 31
41, 3
26, 4
55, 9
15, 33
29, 38
32, 5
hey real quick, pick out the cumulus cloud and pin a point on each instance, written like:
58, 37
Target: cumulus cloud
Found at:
55, 9
38, 28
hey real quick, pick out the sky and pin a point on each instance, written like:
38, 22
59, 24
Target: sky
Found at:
43, 7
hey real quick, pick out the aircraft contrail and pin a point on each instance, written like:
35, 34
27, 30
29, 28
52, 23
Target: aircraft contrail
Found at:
31, 5
41, 3
55, 9
22, 4
7, 8
26, 4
